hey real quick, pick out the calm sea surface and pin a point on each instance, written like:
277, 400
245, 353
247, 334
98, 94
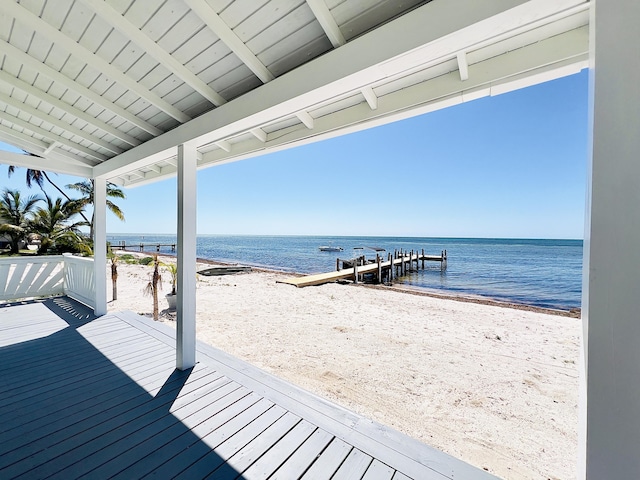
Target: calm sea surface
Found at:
545, 273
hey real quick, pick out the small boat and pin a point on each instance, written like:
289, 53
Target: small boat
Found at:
327, 248
224, 270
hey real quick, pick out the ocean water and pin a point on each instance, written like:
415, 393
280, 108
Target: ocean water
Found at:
545, 273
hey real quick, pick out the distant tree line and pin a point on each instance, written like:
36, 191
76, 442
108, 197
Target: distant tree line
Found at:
53, 225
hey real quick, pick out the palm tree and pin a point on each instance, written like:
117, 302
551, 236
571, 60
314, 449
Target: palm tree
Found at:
86, 188
15, 216
154, 284
56, 227
38, 177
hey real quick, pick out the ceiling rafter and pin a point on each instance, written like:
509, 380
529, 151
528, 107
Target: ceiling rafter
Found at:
51, 147
224, 33
305, 118
463, 65
39, 147
43, 116
224, 145
136, 35
327, 22
259, 133
370, 96
68, 109
52, 136
43, 69
29, 161
32, 20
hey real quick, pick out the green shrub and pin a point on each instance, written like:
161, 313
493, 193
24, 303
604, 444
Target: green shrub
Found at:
145, 260
127, 258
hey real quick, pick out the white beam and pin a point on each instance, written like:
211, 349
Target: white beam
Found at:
52, 136
47, 71
186, 294
50, 148
463, 66
65, 107
37, 163
259, 134
370, 97
305, 118
224, 33
43, 116
612, 257
33, 21
100, 245
327, 22
123, 25
224, 145
346, 69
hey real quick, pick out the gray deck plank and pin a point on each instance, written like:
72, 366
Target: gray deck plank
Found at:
186, 468
118, 402
152, 439
67, 397
304, 456
109, 446
329, 461
198, 430
90, 371
401, 476
266, 465
353, 466
95, 436
247, 455
378, 471
209, 434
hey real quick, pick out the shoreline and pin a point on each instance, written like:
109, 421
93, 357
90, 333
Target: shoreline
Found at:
434, 293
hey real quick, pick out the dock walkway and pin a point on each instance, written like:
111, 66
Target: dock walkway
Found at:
394, 265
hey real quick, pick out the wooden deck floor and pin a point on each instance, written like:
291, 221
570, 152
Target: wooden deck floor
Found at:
100, 398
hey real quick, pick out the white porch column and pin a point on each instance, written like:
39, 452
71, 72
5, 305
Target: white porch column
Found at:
186, 294
611, 293
100, 244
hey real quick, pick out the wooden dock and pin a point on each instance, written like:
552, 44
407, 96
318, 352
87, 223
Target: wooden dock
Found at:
396, 265
142, 247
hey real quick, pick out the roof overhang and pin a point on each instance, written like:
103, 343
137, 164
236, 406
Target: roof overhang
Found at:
437, 55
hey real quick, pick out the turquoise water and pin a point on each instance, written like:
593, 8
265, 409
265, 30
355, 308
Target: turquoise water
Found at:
545, 273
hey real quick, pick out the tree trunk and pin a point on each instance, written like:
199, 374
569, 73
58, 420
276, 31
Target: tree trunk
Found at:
114, 280
156, 277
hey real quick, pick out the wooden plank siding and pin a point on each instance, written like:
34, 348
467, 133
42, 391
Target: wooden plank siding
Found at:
91, 397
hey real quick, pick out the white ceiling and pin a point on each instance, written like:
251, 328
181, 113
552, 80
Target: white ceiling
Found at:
108, 88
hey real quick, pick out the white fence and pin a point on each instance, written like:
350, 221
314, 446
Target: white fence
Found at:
25, 277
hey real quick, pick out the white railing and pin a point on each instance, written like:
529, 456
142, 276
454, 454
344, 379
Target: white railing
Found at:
25, 277
79, 279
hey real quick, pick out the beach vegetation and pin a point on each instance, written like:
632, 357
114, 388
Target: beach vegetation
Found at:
113, 258
172, 268
16, 214
154, 284
57, 229
86, 189
146, 260
127, 258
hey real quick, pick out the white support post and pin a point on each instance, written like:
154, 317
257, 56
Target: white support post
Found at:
186, 294
100, 244
611, 318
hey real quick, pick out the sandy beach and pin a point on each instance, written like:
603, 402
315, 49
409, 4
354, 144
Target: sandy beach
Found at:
494, 386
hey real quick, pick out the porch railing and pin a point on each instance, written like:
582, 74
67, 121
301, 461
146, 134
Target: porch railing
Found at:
25, 277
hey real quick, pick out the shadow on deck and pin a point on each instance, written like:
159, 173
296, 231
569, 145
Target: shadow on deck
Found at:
100, 397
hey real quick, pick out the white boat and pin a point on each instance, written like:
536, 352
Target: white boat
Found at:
327, 248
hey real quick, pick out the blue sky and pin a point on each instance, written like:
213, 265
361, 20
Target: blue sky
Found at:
513, 166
